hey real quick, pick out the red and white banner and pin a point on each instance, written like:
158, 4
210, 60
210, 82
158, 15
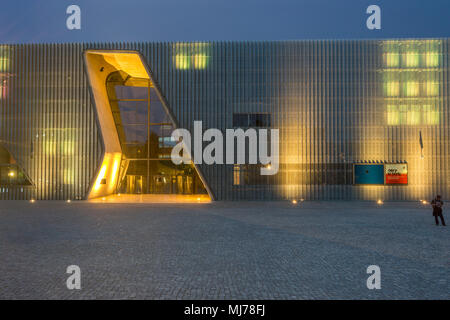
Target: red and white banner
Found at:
396, 173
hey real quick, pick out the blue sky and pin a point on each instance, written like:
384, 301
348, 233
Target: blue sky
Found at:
35, 21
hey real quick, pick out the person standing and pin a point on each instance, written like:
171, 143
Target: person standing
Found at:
437, 204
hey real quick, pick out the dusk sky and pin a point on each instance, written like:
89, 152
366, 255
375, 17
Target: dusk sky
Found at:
28, 21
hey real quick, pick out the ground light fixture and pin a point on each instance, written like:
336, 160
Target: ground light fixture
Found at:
380, 202
32, 200
294, 201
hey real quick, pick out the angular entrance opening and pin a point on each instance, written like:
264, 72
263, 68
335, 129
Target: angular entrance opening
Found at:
11, 175
137, 127
144, 128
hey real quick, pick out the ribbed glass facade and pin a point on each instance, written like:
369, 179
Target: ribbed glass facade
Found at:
335, 103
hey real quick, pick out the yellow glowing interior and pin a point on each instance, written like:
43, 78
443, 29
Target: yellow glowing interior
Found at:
107, 176
100, 176
412, 115
2, 87
392, 59
4, 64
432, 88
115, 169
411, 59
182, 61
411, 89
392, 88
431, 115
100, 64
432, 59
392, 115
191, 55
200, 61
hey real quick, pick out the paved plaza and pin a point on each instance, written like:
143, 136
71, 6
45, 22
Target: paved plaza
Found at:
222, 250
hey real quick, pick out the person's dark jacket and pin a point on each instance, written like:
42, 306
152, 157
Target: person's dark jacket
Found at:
437, 206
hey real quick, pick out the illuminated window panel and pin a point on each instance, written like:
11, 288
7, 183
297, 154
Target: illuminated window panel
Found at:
2, 89
236, 175
393, 117
430, 115
68, 148
413, 116
392, 59
4, 64
392, 88
411, 89
432, 59
411, 59
403, 114
200, 61
432, 88
182, 62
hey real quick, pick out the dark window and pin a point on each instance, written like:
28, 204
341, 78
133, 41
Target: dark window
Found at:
240, 120
254, 120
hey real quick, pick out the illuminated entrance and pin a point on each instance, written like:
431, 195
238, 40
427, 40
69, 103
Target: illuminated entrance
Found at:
144, 129
136, 127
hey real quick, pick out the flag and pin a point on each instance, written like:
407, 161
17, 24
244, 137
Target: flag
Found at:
420, 139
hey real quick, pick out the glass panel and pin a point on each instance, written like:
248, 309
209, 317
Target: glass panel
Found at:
166, 177
259, 120
135, 151
135, 181
135, 134
160, 137
133, 112
240, 120
158, 113
127, 92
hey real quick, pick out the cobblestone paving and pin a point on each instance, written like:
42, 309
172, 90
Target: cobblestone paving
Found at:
222, 250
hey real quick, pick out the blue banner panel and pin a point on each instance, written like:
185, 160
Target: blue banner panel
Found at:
368, 174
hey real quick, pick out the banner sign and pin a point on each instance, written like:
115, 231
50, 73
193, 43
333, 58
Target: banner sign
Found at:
396, 173
368, 174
